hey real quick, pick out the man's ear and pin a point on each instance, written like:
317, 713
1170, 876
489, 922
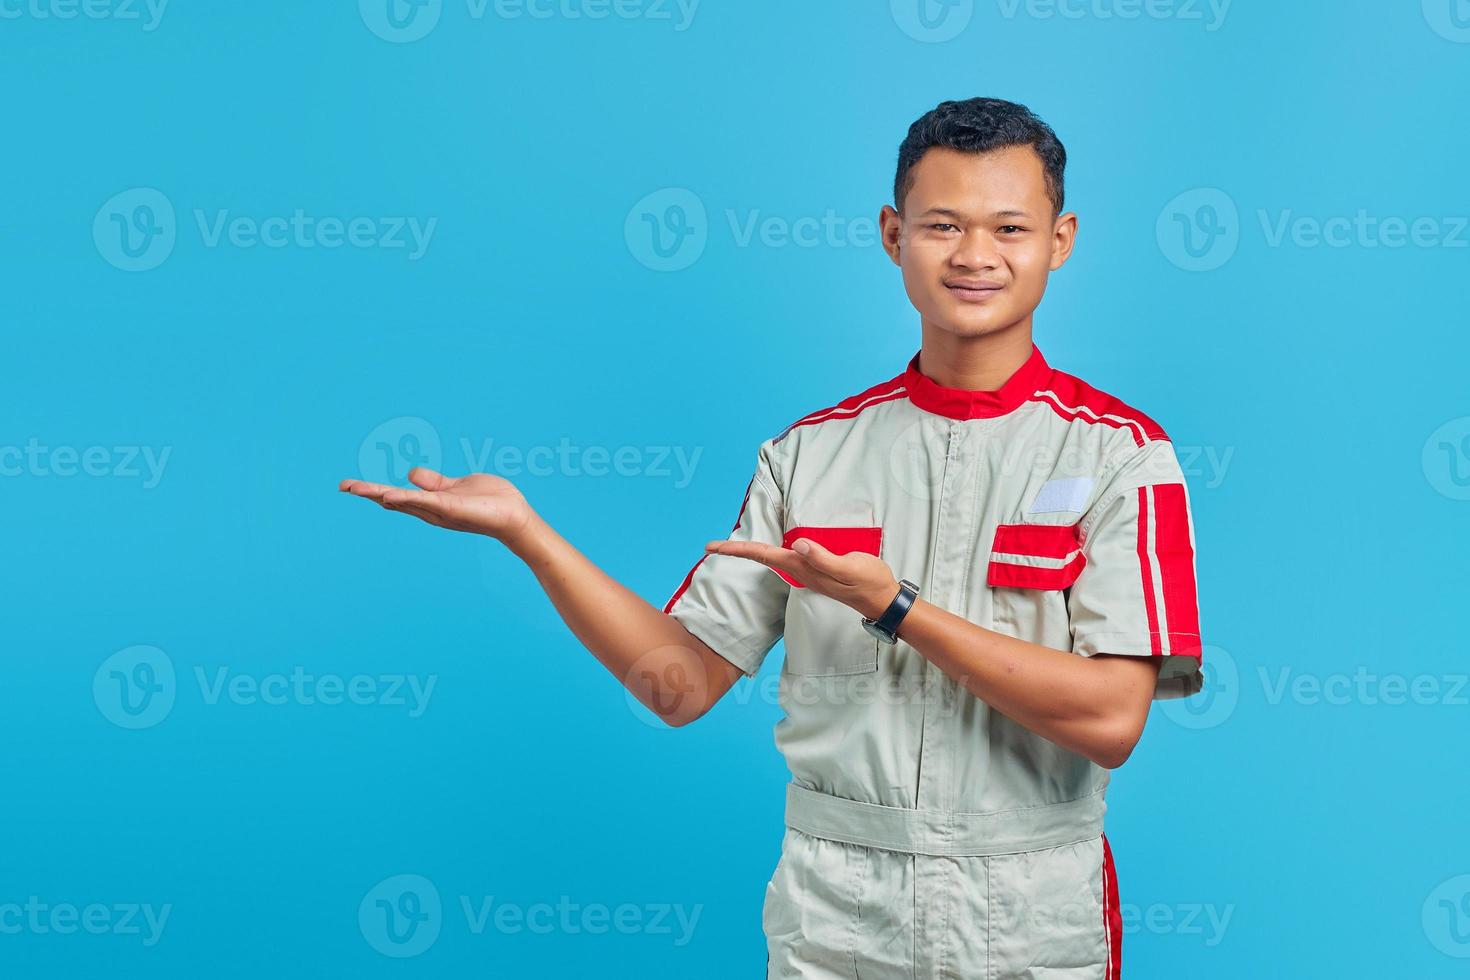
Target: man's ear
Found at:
1063, 237
890, 225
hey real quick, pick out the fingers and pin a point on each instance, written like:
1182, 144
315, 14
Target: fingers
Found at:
770, 555
422, 476
364, 488
422, 499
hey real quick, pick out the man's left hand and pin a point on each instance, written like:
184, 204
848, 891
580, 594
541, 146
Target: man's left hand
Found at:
857, 579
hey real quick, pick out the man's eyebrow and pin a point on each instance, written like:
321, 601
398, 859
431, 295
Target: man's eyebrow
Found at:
952, 213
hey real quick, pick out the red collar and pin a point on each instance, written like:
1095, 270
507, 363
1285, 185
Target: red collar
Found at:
963, 403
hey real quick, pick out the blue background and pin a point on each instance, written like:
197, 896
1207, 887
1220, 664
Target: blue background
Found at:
1330, 379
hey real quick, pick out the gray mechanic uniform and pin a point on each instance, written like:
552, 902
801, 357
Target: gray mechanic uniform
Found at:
928, 835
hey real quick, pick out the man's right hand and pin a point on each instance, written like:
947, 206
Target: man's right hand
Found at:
481, 502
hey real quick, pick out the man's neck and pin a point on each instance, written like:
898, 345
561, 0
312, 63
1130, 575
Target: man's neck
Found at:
974, 363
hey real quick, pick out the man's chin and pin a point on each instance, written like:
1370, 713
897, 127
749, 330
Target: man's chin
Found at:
970, 323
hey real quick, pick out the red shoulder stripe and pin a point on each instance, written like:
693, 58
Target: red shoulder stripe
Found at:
853, 405
1072, 398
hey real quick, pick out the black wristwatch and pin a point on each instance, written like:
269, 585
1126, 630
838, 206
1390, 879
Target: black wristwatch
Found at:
885, 627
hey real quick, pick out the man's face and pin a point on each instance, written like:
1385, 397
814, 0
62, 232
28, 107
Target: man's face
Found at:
977, 239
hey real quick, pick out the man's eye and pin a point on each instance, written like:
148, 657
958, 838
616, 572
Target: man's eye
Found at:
1011, 229
941, 226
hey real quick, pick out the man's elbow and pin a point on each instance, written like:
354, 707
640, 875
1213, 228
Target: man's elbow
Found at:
1116, 746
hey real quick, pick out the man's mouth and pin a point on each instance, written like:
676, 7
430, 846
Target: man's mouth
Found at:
974, 290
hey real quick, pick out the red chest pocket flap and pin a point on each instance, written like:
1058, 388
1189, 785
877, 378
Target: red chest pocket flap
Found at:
838, 540
1036, 556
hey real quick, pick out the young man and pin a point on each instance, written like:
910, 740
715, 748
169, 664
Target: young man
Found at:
950, 735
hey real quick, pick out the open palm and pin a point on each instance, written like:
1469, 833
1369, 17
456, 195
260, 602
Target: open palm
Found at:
481, 502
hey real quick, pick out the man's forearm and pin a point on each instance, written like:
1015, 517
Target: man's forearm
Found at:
648, 651
1060, 696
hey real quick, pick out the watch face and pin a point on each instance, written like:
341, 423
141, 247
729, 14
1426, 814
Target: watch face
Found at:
878, 631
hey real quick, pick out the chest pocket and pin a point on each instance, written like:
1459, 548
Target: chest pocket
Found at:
824, 636
1030, 570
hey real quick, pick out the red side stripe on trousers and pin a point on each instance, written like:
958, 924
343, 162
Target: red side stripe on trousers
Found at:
1112, 915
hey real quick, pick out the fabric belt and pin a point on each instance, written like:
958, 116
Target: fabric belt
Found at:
943, 833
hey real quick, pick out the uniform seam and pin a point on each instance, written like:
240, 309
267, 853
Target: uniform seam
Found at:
989, 919
857, 901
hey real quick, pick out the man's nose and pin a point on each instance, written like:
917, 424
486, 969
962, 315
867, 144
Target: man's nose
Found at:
976, 250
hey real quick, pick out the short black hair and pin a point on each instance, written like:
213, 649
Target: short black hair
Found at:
979, 126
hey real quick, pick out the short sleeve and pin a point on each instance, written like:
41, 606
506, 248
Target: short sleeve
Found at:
1136, 593
735, 605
